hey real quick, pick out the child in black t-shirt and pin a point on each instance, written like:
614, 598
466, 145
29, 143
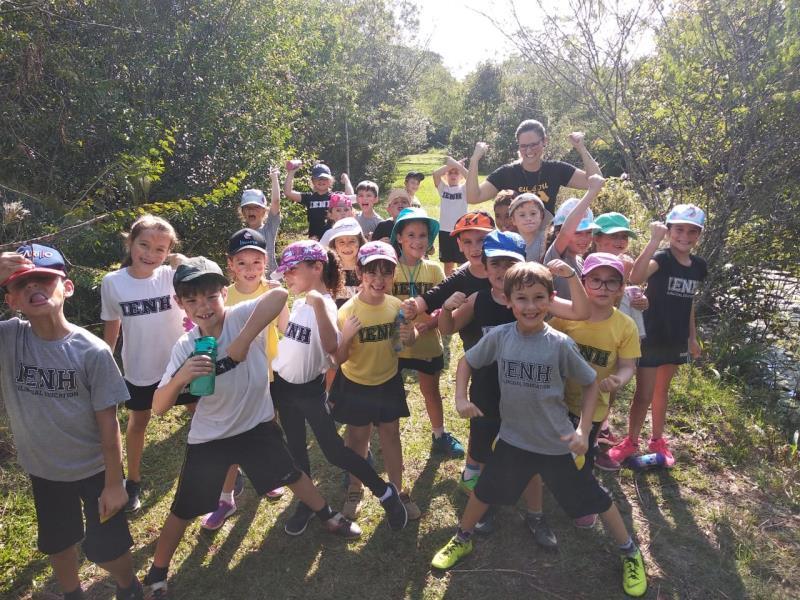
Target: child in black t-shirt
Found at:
316, 201
673, 276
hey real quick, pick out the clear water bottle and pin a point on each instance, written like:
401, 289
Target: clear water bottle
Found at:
399, 320
646, 461
204, 385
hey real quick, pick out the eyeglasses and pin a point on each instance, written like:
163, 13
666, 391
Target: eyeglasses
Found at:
524, 147
612, 285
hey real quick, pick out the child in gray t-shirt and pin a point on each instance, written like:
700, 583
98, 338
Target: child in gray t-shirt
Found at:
61, 388
536, 436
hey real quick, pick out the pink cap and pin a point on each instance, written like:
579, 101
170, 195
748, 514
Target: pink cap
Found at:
338, 199
602, 259
301, 251
376, 251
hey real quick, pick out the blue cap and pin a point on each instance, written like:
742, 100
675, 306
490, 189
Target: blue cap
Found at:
320, 170
504, 243
587, 222
687, 213
44, 259
416, 214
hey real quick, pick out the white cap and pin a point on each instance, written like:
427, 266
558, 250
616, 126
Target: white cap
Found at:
253, 196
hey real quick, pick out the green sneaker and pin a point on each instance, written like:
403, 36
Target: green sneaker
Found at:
634, 578
453, 552
468, 485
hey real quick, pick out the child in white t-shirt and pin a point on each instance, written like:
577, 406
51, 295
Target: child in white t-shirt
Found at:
449, 180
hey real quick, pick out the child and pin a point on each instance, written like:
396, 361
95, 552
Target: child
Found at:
309, 340
247, 258
254, 211
673, 276
60, 387
535, 434
411, 184
398, 200
340, 207
488, 308
316, 201
531, 219
453, 204
608, 341
502, 202
368, 388
137, 298
345, 238
414, 232
574, 221
367, 197
236, 423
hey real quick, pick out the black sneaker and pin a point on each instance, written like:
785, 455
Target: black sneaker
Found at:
541, 531
134, 489
298, 522
238, 486
396, 513
486, 525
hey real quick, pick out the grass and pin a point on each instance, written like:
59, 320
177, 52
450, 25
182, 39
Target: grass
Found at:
722, 524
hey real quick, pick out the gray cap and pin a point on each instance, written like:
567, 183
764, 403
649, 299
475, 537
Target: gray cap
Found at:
196, 267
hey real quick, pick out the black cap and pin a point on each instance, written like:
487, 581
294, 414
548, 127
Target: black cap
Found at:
196, 267
247, 239
415, 175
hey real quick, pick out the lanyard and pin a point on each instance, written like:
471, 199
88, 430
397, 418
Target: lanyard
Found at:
411, 276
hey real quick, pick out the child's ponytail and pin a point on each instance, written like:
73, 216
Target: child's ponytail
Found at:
332, 274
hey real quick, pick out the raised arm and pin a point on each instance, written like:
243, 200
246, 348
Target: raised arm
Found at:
327, 328
266, 310
576, 309
439, 173
580, 178
275, 204
477, 193
288, 185
644, 265
348, 187
596, 183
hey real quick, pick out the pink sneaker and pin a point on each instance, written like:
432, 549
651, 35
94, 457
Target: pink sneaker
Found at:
607, 437
276, 494
605, 463
585, 522
659, 446
214, 520
623, 450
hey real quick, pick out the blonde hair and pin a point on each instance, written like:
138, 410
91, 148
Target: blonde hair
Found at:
142, 224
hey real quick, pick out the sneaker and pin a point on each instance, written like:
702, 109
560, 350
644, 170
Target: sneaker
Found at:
238, 486
156, 591
452, 553
585, 522
542, 534
396, 513
134, 489
468, 485
486, 525
607, 437
447, 444
412, 509
634, 577
660, 446
625, 449
214, 520
298, 522
605, 463
342, 526
276, 494
352, 504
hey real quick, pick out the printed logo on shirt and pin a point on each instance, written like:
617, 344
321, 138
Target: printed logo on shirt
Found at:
135, 308
452, 195
540, 189
402, 288
299, 333
318, 204
594, 356
525, 374
376, 333
684, 288
47, 382
487, 328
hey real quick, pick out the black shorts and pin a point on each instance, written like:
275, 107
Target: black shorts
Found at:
482, 434
356, 404
655, 354
61, 519
448, 249
509, 469
429, 366
484, 390
142, 397
262, 454
591, 453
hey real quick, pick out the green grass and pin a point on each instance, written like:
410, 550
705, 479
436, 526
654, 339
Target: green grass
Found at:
722, 524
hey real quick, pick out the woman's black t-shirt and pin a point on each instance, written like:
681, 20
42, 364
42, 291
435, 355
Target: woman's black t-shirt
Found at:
545, 182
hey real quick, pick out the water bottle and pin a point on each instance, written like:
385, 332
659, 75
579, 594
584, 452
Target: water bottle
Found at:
646, 461
204, 385
399, 320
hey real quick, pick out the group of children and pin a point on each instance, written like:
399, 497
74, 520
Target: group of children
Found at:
546, 325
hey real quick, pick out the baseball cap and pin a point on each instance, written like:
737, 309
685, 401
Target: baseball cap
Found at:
416, 214
321, 170
253, 196
613, 222
45, 260
414, 175
602, 259
376, 251
397, 193
342, 227
504, 243
338, 199
687, 213
301, 251
197, 267
587, 222
477, 220
524, 199
247, 239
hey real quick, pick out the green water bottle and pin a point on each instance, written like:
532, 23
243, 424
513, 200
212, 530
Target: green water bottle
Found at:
204, 386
